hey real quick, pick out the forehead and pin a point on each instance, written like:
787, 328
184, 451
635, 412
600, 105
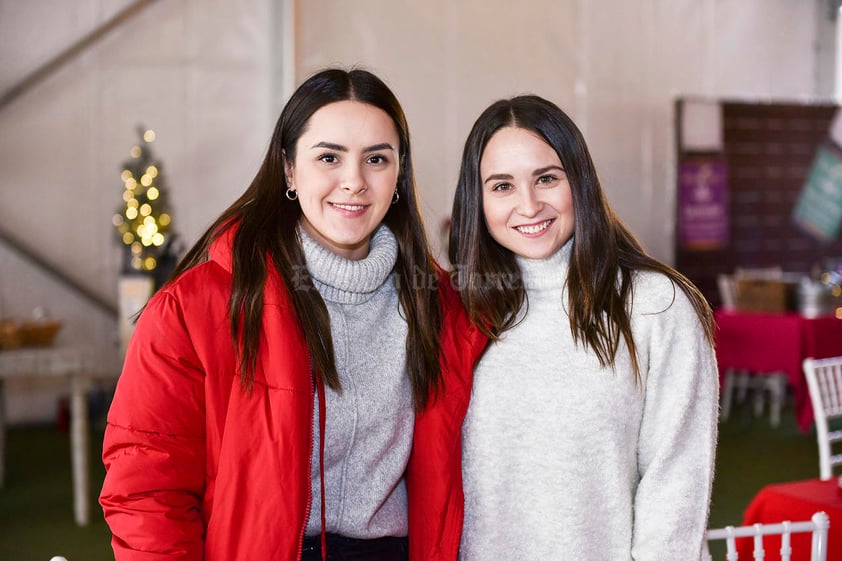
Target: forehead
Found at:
350, 123
511, 146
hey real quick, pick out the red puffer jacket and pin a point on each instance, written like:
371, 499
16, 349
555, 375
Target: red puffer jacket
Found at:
435, 466
197, 468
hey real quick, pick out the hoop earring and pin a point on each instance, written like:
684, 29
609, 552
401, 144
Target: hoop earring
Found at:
396, 197
291, 194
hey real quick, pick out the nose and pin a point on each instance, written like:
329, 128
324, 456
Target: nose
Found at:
353, 180
528, 203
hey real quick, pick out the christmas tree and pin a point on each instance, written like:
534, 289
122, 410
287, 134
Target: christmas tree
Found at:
143, 220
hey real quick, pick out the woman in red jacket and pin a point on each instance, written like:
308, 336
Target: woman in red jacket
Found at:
267, 403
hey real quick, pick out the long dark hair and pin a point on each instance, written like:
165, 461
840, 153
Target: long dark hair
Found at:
604, 256
266, 228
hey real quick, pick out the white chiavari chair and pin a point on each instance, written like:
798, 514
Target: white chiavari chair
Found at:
818, 526
824, 381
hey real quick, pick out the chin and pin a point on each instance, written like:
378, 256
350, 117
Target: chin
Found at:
541, 255
535, 252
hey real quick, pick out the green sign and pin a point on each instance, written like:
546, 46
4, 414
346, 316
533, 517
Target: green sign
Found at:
819, 207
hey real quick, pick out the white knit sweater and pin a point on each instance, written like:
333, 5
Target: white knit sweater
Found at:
564, 459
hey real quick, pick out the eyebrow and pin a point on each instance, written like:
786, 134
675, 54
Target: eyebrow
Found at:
537, 172
340, 148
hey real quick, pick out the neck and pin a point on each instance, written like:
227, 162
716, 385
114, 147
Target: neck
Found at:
350, 280
549, 272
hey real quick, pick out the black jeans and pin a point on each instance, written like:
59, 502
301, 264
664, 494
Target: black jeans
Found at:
340, 548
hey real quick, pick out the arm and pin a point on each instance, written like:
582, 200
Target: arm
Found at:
677, 438
154, 447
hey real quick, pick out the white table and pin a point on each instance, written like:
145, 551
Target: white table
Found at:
79, 365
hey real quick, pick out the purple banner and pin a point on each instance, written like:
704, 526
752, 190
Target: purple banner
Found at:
703, 203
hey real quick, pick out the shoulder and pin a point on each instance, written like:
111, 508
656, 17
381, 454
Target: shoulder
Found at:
194, 302
656, 293
455, 314
448, 294
201, 285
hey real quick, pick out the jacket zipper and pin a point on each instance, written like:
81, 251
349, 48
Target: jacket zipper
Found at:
309, 462
322, 420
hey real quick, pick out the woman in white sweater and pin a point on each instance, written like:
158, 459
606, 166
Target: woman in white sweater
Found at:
591, 428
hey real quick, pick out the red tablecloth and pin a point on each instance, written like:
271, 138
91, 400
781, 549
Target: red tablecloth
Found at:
766, 343
796, 501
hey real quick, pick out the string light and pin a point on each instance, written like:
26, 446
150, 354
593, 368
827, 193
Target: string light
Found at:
141, 223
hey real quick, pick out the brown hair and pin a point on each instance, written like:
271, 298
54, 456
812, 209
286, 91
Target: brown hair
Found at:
266, 228
604, 256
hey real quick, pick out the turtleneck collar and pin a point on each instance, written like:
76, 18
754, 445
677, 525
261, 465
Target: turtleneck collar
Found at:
348, 281
547, 273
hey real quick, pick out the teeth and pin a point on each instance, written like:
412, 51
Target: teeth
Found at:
349, 207
533, 229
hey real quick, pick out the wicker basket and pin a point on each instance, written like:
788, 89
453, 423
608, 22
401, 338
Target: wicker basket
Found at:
9, 334
38, 333
765, 296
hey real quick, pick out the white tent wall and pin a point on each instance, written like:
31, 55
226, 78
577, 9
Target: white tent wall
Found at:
198, 72
210, 75
615, 66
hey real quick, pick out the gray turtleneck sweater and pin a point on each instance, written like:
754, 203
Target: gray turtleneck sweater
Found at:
369, 425
565, 459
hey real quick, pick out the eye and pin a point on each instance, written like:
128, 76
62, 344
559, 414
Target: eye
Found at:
502, 187
377, 159
547, 179
329, 158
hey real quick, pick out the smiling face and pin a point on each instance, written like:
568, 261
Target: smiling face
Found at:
345, 173
526, 199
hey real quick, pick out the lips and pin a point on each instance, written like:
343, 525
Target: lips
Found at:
349, 207
534, 228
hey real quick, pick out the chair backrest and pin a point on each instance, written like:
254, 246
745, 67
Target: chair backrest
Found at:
818, 526
824, 381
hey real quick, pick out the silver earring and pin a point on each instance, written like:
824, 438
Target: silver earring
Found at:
291, 194
396, 197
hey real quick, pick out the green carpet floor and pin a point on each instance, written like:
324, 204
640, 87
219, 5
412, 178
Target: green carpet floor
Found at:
36, 512
36, 502
750, 455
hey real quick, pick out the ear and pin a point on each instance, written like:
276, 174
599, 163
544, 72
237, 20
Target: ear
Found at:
287, 165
